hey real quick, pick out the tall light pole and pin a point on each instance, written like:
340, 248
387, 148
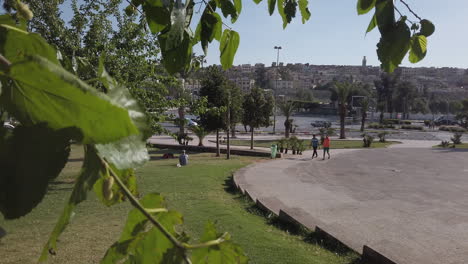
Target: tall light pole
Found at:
276, 87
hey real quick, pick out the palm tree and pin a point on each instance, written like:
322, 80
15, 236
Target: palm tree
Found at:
201, 133
287, 109
342, 92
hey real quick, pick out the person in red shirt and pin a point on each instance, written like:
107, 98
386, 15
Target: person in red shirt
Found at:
326, 147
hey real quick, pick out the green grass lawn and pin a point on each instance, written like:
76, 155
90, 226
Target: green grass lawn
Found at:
335, 144
201, 191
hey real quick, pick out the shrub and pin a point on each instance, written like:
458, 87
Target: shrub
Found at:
391, 121
427, 122
406, 122
456, 139
380, 126
444, 143
413, 127
382, 135
452, 129
367, 139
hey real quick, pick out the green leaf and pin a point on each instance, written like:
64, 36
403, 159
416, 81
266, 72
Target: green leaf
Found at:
176, 32
271, 6
154, 245
91, 170
257, 1
418, 48
427, 28
372, 24
228, 47
305, 13
385, 16
17, 44
209, 28
30, 158
45, 92
8, 19
129, 152
176, 59
157, 15
393, 46
290, 10
226, 252
151, 246
228, 9
136, 220
238, 6
364, 6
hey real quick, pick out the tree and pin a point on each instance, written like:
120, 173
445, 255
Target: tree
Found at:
463, 114
434, 107
258, 107
200, 132
342, 91
236, 111
287, 109
385, 88
405, 94
364, 109
213, 87
455, 107
420, 105
261, 79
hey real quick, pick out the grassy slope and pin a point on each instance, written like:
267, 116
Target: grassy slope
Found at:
198, 191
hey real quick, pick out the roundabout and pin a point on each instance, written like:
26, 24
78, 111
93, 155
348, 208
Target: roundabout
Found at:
405, 205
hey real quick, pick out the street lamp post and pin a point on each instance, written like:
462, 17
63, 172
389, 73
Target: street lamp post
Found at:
276, 87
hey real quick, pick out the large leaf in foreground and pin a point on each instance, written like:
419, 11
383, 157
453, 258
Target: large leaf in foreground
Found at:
128, 152
141, 246
45, 92
91, 171
30, 158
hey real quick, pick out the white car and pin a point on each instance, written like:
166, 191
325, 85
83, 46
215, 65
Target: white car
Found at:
190, 122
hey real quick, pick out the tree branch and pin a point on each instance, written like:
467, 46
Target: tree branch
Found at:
412, 12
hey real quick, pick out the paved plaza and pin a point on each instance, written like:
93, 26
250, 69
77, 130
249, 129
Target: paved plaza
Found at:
408, 203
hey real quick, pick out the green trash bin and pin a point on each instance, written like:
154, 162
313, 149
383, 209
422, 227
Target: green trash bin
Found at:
274, 149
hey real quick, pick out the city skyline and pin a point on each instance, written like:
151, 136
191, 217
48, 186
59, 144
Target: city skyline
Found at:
315, 42
334, 35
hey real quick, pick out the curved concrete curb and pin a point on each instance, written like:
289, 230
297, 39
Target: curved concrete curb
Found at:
300, 218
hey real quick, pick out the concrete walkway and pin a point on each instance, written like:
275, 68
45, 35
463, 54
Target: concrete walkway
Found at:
408, 203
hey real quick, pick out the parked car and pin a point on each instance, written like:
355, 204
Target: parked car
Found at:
446, 120
321, 124
190, 122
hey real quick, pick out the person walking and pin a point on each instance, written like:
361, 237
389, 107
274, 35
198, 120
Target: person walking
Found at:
326, 147
314, 143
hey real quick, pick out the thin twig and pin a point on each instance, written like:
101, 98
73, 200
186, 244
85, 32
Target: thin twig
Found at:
402, 15
412, 12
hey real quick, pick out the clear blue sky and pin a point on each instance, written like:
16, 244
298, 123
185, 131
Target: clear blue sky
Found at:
335, 35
